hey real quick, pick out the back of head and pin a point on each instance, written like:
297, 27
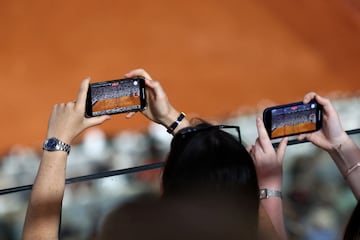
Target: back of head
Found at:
205, 159
207, 156
210, 191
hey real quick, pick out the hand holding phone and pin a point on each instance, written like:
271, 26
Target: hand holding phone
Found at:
116, 96
292, 119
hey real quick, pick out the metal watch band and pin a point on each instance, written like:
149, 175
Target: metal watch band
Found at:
54, 144
267, 193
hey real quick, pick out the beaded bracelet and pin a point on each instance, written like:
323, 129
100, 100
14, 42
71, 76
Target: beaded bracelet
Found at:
353, 168
176, 123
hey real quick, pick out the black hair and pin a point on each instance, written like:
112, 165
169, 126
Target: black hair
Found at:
210, 157
352, 230
207, 160
210, 190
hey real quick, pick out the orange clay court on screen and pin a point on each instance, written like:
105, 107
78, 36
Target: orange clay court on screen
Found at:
293, 120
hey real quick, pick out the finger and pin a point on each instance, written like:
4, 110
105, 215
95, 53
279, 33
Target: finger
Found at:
81, 98
323, 101
301, 137
138, 72
249, 148
156, 88
262, 133
282, 149
97, 120
130, 115
69, 105
60, 106
258, 147
55, 107
150, 83
252, 154
251, 151
308, 97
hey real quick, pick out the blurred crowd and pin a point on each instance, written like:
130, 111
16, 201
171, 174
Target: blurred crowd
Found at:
317, 202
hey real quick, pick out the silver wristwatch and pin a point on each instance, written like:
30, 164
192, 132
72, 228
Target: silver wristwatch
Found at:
267, 193
54, 144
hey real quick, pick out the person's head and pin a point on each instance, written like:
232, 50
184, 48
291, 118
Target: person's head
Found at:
205, 155
210, 191
207, 158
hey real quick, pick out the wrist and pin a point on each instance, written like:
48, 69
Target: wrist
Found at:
274, 182
338, 145
62, 138
174, 127
66, 136
169, 118
345, 156
174, 121
54, 144
266, 193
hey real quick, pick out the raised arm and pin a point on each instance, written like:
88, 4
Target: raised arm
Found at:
333, 139
66, 122
268, 163
159, 109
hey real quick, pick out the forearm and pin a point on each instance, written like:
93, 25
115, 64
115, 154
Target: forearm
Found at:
274, 209
347, 158
266, 227
44, 209
66, 121
271, 202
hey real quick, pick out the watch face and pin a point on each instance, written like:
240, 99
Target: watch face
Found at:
51, 144
54, 144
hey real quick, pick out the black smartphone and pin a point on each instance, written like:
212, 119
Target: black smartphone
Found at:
116, 96
292, 119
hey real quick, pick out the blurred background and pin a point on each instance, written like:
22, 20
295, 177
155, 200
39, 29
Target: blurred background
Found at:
222, 60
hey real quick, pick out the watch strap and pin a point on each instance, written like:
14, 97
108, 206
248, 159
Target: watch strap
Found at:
267, 193
172, 127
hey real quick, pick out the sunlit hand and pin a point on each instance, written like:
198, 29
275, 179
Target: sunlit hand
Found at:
67, 120
159, 108
268, 162
331, 134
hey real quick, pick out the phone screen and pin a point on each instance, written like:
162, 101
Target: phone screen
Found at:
292, 119
116, 96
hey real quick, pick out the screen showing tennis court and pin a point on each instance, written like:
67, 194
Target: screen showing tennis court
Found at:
114, 97
293, 120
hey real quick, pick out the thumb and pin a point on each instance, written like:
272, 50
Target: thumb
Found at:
97, 120
249, 148
282, 148
129, 115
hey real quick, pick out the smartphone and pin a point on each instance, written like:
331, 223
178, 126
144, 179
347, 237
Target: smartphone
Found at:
292, 119
116, 96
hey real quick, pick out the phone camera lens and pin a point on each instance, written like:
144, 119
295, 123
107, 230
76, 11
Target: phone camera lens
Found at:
135, 83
